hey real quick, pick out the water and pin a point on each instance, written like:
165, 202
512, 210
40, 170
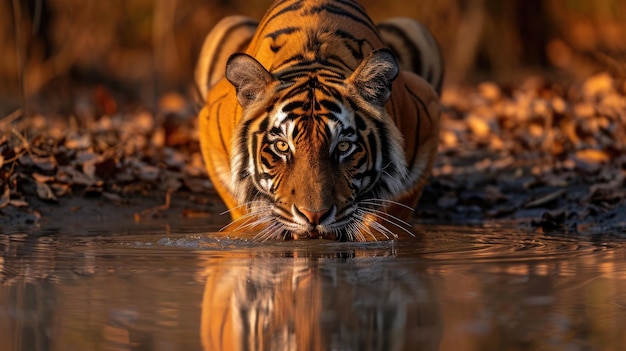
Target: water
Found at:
182, 288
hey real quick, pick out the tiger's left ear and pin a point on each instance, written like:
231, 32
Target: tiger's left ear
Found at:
248, 76
373, 78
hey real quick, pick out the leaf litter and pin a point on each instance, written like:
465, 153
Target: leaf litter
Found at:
549, 155
115, 156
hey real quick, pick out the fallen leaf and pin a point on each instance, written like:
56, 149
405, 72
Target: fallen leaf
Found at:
18, 203
112, 197
76, 141
590, 160
489, 91
46, 164
45, 193
40, 178
479, 126
598, 84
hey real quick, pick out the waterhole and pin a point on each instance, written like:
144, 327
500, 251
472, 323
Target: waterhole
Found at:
185, 288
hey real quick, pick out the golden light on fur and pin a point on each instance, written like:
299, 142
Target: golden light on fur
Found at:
321, 127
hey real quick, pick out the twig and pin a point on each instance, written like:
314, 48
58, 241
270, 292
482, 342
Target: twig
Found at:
155, 210
20, 49
11, 116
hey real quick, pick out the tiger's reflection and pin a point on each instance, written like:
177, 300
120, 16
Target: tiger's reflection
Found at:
317, 303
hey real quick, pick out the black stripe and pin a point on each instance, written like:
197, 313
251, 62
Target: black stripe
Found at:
348, 131
219, 126
331, 75
277, 33
419, 122
421, 102
266, 162
341, 64
330, 105
275, 131
416, 55
373, 147
335, 10
264, 123
249, 23
321, 68
360, 122
293, 7
359, 54
360, 162
243, 147
292, 106
355, 6
295, 58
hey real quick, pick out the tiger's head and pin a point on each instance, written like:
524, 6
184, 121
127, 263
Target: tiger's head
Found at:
316, 154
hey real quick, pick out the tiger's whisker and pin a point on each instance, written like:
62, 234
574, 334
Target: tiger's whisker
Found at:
393, 220
384, 230
254, 223
384, 202
247, 204
362, 218
268, 232
378, 227
246, 219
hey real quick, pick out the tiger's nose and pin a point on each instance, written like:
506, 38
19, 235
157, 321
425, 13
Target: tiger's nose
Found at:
314, 217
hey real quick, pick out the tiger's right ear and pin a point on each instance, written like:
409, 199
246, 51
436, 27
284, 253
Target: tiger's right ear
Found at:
248, 76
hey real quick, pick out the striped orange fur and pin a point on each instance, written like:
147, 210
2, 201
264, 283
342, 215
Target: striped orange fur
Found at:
317, 122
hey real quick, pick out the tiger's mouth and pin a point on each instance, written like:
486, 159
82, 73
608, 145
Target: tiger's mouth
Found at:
361, 221
337, 224
314, 234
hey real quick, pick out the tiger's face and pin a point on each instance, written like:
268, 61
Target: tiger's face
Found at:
316, 154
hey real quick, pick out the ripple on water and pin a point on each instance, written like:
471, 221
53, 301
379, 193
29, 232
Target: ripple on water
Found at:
458, 245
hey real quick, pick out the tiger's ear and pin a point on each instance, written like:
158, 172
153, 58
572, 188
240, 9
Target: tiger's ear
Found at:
248, 76
373, 78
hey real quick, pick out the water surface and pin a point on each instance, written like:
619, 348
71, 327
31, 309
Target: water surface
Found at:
183, 288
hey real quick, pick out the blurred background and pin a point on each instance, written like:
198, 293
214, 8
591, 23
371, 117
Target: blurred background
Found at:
142, 49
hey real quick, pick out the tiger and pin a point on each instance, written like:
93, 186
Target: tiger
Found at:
317, 123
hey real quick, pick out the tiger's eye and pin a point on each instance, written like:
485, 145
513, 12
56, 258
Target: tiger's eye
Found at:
344, 146
281, 146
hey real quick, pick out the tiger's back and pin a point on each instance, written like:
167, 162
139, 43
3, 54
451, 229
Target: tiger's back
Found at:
331, 66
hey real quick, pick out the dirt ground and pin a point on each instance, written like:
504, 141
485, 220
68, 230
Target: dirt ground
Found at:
539, 155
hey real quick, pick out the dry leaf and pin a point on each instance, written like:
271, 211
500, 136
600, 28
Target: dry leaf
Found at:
596, 85
590, 160
45, 193
46, 164
18, 203
479, 126
78, 141
489, 91
40, 178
